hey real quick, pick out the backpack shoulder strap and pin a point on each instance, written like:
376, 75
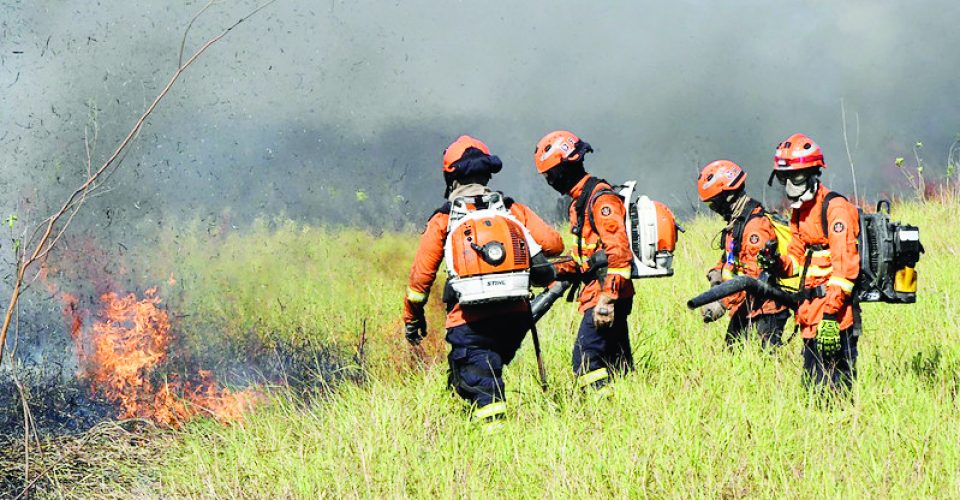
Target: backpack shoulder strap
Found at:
749, 213
580, 209
823, 210
580, 205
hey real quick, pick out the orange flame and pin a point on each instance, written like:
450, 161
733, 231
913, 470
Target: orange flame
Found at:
127, 344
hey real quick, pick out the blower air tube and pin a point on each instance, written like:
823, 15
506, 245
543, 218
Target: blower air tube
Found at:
744, 283
543, 302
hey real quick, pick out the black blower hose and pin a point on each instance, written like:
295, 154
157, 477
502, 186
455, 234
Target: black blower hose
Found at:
542, 303
744, 283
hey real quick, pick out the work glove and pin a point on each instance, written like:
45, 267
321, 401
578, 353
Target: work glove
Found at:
603, 312
828, 336
715, 277
713, 311
769, 257
416, 330
565, 269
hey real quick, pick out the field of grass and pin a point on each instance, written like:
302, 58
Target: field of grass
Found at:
694, 420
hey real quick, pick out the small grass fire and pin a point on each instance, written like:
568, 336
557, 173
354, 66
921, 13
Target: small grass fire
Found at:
121, 354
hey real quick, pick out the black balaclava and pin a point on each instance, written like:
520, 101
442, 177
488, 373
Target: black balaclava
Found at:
722, 204
474, 166
564, 176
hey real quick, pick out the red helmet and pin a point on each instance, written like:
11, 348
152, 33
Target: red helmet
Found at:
798, 152
455, 150
557, 147
718, 177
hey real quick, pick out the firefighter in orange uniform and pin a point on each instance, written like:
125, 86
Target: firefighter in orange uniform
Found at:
484, 337
824, 254
748, 231
601, 261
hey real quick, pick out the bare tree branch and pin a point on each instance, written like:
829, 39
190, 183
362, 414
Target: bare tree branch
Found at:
52, 232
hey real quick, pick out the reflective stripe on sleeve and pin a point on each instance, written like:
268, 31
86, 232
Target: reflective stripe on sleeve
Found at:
623, 272
819, 272
415, 296
842, 283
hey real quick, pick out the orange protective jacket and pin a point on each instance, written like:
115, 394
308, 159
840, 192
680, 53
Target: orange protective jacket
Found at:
610, 235
835, 259
756, 233
430, 255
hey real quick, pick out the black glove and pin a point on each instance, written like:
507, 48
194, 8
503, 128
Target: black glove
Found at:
416, 330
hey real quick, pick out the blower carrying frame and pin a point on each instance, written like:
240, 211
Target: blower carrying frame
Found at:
889, 251
643, 226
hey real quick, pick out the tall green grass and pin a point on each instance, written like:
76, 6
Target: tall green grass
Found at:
695, 419
285, 283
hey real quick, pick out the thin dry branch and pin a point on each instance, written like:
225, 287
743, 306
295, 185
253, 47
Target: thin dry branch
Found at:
186, 31
846, 143
48, 240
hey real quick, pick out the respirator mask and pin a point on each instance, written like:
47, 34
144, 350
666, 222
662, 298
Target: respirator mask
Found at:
800, 186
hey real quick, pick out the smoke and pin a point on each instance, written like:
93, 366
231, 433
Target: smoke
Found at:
310, 103
337, 112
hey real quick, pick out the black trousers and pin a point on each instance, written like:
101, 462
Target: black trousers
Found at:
604, 348
478, 353
769, 327
837, 371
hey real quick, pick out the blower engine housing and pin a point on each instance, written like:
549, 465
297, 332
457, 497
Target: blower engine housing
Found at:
488, 254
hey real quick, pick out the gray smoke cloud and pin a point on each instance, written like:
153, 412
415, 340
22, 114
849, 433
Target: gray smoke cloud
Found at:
310, 102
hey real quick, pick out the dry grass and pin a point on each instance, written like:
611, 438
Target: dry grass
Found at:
111, 460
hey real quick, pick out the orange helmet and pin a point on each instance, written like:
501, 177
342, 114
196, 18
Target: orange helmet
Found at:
718, 177
457, 148
557, 147
468, 157
798, 152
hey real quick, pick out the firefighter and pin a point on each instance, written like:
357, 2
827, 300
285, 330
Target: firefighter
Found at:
597, 216
823, 252
483, 338
748, 231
